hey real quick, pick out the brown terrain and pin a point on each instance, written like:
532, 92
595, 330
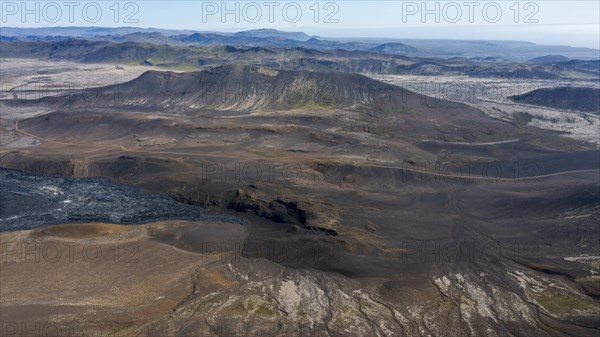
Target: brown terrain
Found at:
372, 211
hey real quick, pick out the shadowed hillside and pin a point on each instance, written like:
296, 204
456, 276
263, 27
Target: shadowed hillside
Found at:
580, 99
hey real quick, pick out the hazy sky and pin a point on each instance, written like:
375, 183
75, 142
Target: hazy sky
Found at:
575, 23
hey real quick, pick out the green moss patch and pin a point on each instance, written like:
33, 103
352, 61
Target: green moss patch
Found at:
562, 303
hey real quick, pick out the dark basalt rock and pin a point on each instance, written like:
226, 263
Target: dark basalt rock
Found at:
280, 210
28, 201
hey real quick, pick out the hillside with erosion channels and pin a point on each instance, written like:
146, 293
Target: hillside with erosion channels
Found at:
267, 183
246, 88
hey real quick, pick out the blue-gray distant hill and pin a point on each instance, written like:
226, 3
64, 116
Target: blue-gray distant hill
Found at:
263, 33
549, 59
395, 48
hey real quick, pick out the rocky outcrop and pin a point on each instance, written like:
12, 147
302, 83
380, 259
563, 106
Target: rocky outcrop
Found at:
301, 214
261, 298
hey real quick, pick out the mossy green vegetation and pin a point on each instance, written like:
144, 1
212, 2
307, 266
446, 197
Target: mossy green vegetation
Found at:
563, 303
257, 305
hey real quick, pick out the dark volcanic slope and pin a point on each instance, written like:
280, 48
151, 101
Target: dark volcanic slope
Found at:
28, 201
247, 88
567, 98
239, 90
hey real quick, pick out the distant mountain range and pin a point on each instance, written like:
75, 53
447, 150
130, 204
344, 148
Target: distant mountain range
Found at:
509, 50
376, 60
